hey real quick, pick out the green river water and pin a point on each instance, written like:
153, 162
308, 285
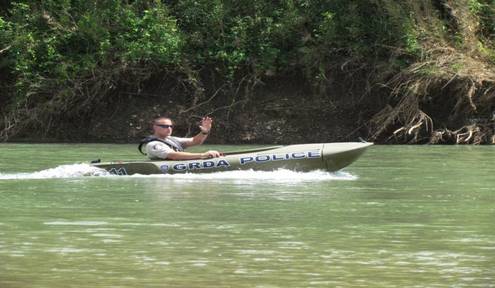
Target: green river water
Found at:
401, 216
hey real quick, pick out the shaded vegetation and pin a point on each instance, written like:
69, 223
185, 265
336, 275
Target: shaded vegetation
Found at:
309, 70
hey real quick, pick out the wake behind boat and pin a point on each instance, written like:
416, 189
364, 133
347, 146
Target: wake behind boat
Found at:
302, 157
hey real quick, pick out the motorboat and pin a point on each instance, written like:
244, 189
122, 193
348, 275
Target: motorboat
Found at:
300, 157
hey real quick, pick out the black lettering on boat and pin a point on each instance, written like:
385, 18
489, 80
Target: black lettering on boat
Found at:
118, 171
276, 157
223, 163
298, 155
314, 154
194, 165
180, 167
200, 165
245, 160
262, 158
208, 164
280, 157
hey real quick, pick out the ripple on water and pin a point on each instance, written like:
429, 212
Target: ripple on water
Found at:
68, 250
76, 223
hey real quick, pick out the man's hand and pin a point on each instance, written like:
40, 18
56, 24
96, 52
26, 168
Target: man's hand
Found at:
205, 125
211, 154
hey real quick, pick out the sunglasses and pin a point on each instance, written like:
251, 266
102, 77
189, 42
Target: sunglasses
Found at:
164, 126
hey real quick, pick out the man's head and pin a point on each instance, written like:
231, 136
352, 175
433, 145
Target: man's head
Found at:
162, 127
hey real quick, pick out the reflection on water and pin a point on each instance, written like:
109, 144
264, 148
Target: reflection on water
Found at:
398, 217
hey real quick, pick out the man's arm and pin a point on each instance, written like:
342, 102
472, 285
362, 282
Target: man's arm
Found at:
205, 128
198, 139
159, 150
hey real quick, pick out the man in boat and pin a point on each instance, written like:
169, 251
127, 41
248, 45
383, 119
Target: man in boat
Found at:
162, 145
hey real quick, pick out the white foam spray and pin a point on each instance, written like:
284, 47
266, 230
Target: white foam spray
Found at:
62, 171
281, 175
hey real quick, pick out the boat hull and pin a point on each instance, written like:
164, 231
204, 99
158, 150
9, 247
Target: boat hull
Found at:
302, 157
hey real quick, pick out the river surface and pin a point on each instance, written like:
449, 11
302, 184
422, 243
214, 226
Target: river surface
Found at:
401, 216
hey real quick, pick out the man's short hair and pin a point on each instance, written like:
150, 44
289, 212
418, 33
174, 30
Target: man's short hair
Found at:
161, 117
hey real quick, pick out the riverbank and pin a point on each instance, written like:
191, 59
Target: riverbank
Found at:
414, 72
276, 113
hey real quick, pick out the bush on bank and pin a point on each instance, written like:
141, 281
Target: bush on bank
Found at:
61, 61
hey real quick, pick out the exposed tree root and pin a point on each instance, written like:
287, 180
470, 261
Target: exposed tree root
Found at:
469, 134
471, 98
419, 126
405, 122
451, 82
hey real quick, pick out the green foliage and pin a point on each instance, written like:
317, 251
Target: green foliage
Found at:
456, 66
475, 6
5, 31
66, 40
66, 51
150, 37
485, 11
3, 24
58, 43
411, 42
237, 35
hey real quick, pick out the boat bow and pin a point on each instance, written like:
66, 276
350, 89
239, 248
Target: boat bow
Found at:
339, 155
